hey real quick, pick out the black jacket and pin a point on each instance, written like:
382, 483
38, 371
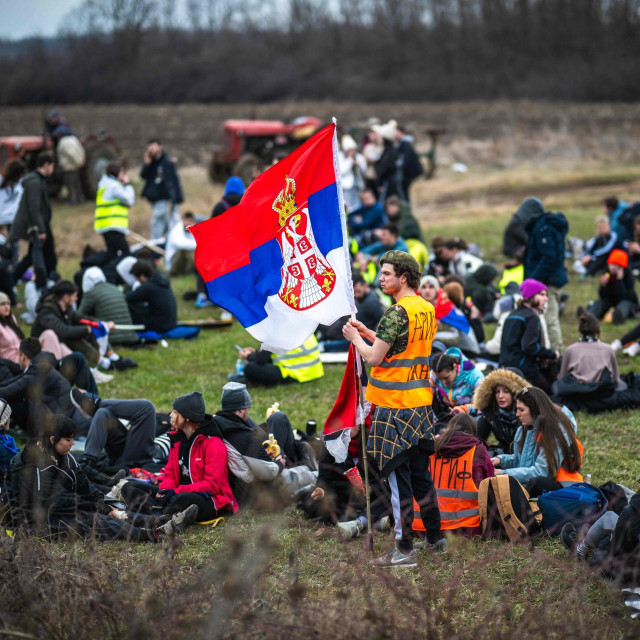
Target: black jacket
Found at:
34, 209
617, 290
520, 345
161, 313
161, 181
65, 324
46, 390
228, 201
47, 487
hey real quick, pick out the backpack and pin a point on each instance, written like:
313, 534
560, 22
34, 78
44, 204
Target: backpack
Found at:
579, 503
505, 510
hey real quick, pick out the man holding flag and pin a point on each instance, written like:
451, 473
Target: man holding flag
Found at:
401, 438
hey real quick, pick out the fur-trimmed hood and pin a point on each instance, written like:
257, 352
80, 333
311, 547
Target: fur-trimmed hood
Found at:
484, 393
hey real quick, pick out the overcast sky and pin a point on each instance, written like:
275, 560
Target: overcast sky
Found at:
21, 18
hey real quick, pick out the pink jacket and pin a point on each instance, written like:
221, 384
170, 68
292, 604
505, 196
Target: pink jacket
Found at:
9, 343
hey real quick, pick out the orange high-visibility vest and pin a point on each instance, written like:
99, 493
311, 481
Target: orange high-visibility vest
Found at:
457, 492
403, 380
565, 476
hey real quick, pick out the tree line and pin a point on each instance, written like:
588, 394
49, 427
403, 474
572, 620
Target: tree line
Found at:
160, 51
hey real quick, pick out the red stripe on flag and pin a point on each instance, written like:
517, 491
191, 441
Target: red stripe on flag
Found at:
343, 414
223, 243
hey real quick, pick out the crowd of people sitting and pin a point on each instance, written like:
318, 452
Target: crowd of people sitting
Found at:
501, 405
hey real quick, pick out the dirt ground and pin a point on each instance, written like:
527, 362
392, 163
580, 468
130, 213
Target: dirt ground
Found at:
495, 134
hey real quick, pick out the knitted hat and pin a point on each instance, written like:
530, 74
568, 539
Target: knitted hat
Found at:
191, 406
619, 257
531, 287
235, 396
4, 297
432, 280
5, 412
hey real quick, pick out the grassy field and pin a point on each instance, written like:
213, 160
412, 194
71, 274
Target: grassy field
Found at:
262, 574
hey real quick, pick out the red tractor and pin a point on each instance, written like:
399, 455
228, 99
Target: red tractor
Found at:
100, 150
251, 146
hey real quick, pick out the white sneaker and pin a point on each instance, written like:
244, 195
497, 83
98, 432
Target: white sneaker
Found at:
100, 377
616, 345
632, 350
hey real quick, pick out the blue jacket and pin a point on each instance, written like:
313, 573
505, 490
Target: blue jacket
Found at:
161, 181
460, 394
531, 462
366, 218
377, 248
544, 259
616, 227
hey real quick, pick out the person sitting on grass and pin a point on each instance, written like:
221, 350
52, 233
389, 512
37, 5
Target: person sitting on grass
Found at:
55, 311
588, 363
547, 455
495, 398
196, 474
597, 249
370, 216
523, 344
338, 496
458, 447
152, 303
616, 290
456, 381
52, 496
390, 240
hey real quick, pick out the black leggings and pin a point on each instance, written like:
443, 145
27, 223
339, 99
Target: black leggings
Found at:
117, 246
141, 497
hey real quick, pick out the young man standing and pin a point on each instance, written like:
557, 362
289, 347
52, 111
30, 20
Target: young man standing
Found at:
33, 222
401, 438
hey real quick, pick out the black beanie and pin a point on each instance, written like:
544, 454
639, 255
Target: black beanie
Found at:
191, 406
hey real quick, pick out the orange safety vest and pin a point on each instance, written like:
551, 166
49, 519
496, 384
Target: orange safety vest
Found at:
566, 476
403, 381
457, 493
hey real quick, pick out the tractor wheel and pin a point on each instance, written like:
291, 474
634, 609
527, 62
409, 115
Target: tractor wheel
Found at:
248, 167
218, 171
99, 155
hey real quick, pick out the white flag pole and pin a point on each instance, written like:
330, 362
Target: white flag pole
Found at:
343, 219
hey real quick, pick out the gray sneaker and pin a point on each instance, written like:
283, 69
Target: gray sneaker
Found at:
439, 546
179, 522
349, 529
384, 524
395, 558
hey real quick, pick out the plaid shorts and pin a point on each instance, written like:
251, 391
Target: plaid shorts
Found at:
393, 431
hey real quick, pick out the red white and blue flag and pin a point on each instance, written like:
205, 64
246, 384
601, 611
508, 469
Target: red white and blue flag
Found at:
279, 260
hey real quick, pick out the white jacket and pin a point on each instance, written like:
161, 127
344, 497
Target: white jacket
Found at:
9, 202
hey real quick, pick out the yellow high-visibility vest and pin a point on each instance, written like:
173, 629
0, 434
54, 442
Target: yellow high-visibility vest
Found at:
109, 214
303, 363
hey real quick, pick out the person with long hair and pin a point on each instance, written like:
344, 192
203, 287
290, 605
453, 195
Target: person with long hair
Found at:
495, 396
52, 495
460, 464
546, 451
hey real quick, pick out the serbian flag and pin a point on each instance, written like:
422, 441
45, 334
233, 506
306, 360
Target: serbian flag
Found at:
279, 260
347, 411
100, 333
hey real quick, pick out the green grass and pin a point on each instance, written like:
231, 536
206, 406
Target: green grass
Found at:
307, 574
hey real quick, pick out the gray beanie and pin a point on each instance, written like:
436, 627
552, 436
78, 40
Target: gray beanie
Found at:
191, 406
235, 396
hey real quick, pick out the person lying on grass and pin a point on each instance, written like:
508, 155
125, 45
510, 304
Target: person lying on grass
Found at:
52, 496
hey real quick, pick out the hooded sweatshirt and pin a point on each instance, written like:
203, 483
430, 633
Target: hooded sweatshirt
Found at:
233, 192
460, 394
161, 313
516, 235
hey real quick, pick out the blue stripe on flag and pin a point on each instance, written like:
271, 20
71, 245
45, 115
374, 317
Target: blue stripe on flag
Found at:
244, 291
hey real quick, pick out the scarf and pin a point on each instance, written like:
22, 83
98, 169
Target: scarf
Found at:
588, 339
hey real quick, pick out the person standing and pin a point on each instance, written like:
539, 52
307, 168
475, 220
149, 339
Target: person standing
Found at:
114, 198
162, 189
33, 222
544, 262
401, 437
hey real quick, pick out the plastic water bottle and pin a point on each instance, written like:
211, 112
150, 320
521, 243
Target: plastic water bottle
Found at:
240, 367
587, 478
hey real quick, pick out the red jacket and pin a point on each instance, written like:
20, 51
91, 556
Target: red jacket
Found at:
207, 468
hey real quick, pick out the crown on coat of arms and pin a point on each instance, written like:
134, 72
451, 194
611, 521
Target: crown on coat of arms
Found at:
285, 203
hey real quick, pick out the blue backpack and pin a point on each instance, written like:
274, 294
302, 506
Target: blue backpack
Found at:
578, 503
